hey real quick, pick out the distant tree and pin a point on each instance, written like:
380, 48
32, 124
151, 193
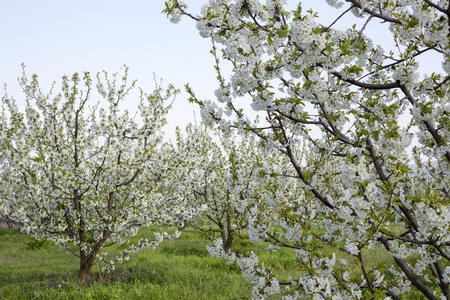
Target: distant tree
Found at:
84, 173
230, 177
359, 106
217, 174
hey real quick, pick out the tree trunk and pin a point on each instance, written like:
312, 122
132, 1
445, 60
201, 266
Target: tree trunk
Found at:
84, 275
88, 259
228, 242
227, 234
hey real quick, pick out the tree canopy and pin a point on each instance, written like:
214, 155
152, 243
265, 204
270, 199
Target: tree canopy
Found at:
83, 173
368, 112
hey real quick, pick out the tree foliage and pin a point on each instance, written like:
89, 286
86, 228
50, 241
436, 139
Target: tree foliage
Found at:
222, 174
359, 106
84, 173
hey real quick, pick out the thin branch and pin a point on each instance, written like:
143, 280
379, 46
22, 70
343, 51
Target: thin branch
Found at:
375, 160
375, 14
138, 171
434, 5
369, 86
334, 22
430, 128
413, 278
361, 31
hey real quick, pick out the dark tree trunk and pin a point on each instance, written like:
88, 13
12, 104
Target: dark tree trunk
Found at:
84, 274
88, 259
227, 234
227, 242
86, 262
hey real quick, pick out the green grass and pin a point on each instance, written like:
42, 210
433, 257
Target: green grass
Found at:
177, 269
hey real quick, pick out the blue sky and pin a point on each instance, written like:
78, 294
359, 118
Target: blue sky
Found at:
54, 38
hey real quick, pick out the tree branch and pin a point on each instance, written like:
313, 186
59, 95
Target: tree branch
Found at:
138, 171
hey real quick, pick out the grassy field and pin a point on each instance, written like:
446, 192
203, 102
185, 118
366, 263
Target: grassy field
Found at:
179, 269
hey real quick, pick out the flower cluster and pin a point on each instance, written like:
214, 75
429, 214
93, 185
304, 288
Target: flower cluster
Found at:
87, 173
375, 121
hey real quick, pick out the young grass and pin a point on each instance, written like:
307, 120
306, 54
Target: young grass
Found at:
176, 269
179, 269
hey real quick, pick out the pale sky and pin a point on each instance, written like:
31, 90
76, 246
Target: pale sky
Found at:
54, 37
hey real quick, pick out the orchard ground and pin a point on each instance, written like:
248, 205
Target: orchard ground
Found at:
178, 269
